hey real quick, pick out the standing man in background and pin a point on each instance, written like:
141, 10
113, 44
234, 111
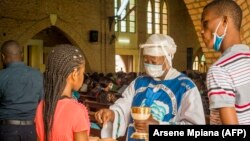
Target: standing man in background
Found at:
228, 79
21, 88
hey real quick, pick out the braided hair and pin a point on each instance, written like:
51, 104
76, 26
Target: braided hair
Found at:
62, 60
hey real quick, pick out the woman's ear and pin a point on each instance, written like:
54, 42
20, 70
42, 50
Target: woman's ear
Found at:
74, 75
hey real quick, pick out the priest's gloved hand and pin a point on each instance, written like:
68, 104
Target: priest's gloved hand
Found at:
104, 115
143, 125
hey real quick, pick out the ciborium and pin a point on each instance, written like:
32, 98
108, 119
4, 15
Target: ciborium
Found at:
140, 113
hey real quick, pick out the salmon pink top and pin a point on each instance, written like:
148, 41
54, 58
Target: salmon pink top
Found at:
70, 116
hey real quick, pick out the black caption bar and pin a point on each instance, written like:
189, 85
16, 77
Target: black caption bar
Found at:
200, 132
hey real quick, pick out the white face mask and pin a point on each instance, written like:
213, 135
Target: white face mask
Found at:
154, 70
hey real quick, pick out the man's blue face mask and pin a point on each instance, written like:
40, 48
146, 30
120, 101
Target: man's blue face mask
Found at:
218, 39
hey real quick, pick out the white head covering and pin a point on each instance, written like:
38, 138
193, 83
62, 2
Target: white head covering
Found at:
160, 45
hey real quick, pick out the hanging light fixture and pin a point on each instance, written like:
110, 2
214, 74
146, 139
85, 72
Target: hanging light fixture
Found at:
53, 18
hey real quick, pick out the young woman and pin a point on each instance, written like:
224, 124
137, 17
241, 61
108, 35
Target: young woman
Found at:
59, 117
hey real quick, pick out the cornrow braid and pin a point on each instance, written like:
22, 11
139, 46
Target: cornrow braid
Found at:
62, 60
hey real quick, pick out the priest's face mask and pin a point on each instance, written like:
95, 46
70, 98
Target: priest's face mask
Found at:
155, 66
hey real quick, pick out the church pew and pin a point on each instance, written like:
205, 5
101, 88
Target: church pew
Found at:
87, 97
95, 106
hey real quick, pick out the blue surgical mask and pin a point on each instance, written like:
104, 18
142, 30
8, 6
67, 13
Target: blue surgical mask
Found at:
218, 39
154, 70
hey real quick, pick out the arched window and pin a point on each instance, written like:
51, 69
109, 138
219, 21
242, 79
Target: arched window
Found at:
157, 16
119, 64
164, 18
196, 63
200, 64
132, 16
203, 66
126, 21
149, 18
